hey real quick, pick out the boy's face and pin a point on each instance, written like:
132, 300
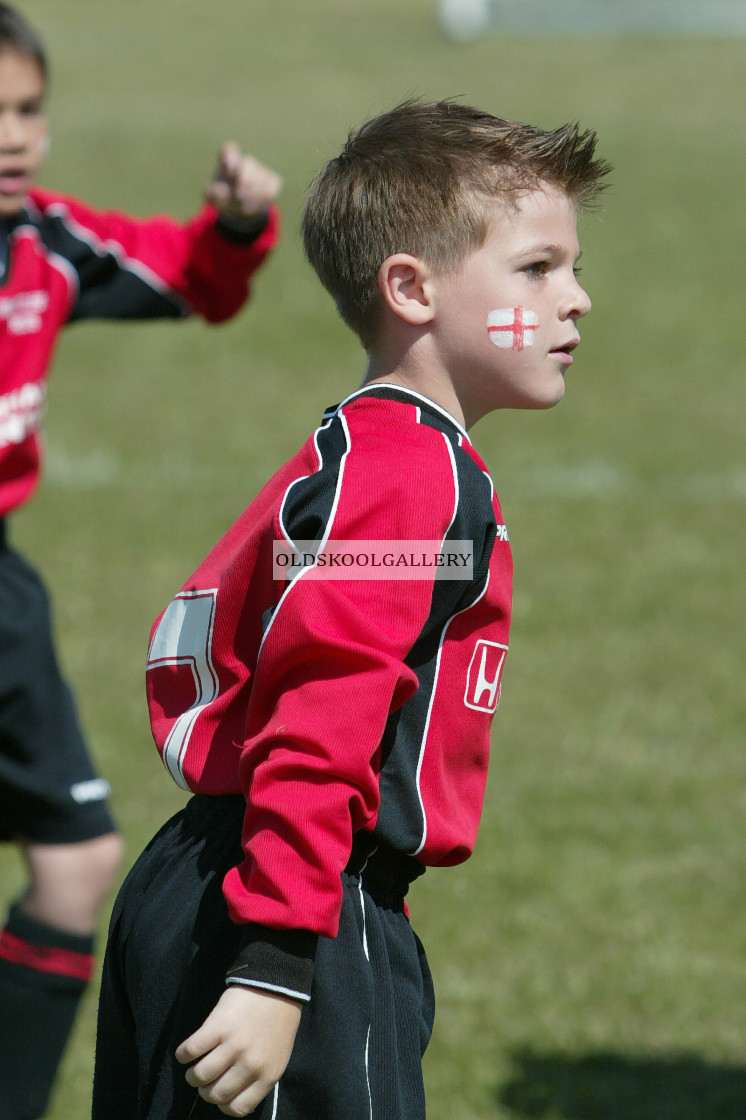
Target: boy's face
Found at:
23, 128
506, 320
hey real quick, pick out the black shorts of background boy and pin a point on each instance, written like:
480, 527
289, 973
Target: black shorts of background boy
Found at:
61, 261
333, 727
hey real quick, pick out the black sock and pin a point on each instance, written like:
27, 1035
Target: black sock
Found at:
43, 973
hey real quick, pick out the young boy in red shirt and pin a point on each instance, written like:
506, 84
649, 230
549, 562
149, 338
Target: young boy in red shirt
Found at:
334, 727
61, 261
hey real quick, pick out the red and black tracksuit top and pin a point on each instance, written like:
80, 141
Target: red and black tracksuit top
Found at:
339, 706
67, 261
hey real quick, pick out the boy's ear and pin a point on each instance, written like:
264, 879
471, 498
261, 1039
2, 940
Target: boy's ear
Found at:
405, 286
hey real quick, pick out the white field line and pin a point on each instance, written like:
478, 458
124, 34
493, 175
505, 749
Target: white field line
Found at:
102, 469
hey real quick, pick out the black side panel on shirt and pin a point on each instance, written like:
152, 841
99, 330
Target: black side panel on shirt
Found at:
309, 501
110, 286
400, 821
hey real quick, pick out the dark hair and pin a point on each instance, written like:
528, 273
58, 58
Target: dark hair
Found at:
424, 179
17, 34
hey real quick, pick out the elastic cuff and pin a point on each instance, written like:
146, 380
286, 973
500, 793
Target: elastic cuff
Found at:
276, 960
242, 231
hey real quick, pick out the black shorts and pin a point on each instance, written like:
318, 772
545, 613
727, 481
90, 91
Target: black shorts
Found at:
49, 791
358, 1051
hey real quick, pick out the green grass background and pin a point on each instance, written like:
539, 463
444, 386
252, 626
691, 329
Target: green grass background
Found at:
590, 958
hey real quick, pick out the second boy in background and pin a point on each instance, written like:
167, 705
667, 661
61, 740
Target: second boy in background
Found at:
336, 732
62, 261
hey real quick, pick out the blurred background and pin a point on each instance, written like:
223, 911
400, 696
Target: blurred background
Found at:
589, 959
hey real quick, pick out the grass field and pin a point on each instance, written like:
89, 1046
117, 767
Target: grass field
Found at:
589, 959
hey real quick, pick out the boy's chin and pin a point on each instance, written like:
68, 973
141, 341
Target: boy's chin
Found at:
540, 402
553, 394
12, 205
554, 399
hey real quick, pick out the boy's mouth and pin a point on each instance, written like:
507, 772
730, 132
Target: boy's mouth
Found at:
564, 353
14, 181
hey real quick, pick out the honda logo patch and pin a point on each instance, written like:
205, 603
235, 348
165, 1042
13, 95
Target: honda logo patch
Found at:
484, 677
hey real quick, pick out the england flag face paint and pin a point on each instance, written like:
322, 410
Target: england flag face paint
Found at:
512, 328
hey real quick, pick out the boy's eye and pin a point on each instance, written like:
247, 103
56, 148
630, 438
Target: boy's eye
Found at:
537, 268
576, 271
32, 109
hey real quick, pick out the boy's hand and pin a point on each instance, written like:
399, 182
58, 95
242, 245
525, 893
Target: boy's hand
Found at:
242, 187
242, 1048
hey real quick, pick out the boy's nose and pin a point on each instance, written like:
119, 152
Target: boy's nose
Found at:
12, 133
578, 303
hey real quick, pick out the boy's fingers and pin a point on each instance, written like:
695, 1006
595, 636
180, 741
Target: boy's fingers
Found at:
235, 1093
183, 1054
229, 162
200, 1075
246, 1102
226, 175
218, 193
254, 178
221, 1073
256, 186
199, 1043
233, 1109
242, 186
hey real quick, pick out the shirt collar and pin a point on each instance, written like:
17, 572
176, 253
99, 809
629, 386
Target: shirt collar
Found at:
389, 391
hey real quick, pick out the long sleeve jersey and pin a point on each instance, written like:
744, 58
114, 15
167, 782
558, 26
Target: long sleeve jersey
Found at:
341, 705
66, 261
